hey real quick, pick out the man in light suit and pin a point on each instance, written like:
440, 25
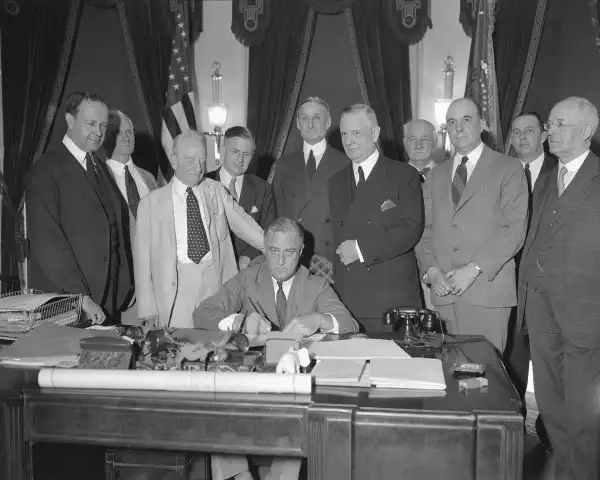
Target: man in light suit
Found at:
133, 182
475, 222
527, 138
377, 217
183, 251
559, 292
300, 182
253, 194
275, 294
419, 140
76, 221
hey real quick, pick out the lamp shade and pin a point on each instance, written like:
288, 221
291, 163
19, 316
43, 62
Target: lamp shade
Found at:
217, 114
441, 108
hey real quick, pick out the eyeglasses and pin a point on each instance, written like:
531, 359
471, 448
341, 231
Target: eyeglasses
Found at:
560, 126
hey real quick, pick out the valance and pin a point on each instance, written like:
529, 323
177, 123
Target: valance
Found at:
329, 6
408, 19
250, 20
468, 15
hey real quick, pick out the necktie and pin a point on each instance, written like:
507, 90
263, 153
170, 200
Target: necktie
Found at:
90, 170
459, 181
232, 189
133, 195
311, 165
196, 235
561, 180
361, 178
528, 176
425, 171
280, 304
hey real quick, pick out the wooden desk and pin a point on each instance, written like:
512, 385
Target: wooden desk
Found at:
344, 433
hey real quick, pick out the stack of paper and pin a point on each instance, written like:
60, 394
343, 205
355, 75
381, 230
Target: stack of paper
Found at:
357, 348
413, 373
341, 372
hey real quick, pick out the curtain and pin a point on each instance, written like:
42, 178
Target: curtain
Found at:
148, 32
383, 71
516, 38
329, 6
34, 49
276, 69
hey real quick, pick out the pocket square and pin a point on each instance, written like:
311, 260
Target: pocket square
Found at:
254, 209
387, 205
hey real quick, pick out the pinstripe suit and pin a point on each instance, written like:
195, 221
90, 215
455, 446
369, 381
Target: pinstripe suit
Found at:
486, 228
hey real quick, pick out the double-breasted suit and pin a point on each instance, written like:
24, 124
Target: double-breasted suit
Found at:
386, 218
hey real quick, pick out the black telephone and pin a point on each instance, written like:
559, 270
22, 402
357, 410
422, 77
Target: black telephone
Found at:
412, 321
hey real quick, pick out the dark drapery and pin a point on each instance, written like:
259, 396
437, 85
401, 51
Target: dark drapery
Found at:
35, 61
147, 27
275, 76
384, 63
516, 28
329, 6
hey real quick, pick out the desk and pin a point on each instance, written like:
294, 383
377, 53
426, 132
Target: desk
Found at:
344, 433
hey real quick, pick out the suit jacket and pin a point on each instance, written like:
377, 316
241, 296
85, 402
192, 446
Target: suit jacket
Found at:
155, 249
69, 230
571, 253
388, 277
487, 227
307, 202
253, 286
256, 195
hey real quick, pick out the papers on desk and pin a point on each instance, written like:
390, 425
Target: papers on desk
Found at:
357, 348
346, 373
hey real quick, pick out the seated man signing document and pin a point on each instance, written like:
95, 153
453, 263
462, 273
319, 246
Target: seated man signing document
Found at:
277, 294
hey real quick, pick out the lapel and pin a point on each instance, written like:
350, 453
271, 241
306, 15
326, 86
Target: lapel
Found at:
345, 185
478, 178
445, 170
541, 184
248, 197
74, 170
267, 294
374, 183
301, 192
297, 296
586, 180
207, 197
327, 167
166, 223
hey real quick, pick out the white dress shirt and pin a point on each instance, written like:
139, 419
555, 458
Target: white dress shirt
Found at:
534, 169
225, 179
180, 216
318, 150
471, 163
367, 167
77, 152
430, 165
118, 170
572, 167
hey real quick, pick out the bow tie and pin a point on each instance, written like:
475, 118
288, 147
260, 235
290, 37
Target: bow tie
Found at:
425, 171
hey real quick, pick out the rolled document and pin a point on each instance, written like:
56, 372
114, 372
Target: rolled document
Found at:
180, 381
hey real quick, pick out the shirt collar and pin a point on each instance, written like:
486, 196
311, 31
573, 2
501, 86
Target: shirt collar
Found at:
430, 165
180, 188
77, 152
318, 149
473, 154
535, 163
367, 165
118, 167
285, 285
576, 163
226, 177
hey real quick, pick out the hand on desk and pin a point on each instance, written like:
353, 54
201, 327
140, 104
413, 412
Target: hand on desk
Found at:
93, 311
254, 325
460, 279
309, 324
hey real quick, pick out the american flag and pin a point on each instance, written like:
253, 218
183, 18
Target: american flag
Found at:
179, 114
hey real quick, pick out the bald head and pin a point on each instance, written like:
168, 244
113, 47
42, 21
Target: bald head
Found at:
571, 125
189, 157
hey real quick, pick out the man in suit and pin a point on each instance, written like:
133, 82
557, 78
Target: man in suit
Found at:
419, 140
275, 294
377, 218
475, 221
559, 292
183, 251
252, 193
76, 222
300, 182
527, 138
133, 182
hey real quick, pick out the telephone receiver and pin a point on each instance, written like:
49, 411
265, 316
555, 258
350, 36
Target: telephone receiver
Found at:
412, 321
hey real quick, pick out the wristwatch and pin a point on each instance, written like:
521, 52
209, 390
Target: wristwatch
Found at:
425, 279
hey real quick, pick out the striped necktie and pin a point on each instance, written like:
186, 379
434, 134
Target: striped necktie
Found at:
280, 305
133, 195
232, 190
459, 181
561, 180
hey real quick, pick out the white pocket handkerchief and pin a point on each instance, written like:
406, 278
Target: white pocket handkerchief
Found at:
253, 209
387, 205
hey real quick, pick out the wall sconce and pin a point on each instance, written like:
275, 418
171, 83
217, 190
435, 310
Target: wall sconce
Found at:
442, 104
217, 111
